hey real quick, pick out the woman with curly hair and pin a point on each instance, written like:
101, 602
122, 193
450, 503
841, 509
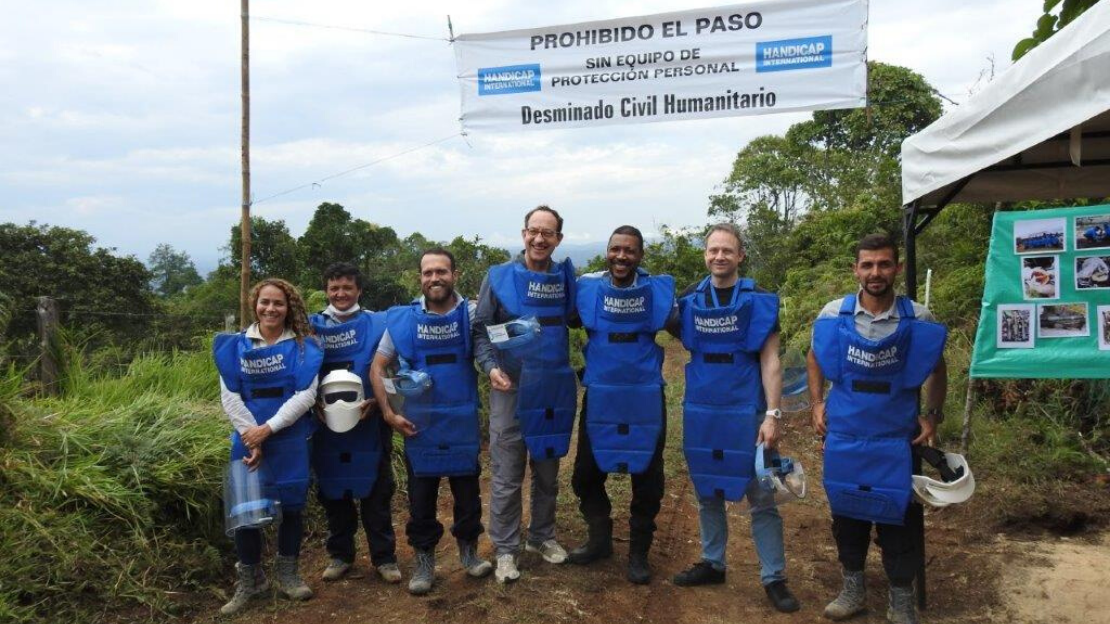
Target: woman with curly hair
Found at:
267, 386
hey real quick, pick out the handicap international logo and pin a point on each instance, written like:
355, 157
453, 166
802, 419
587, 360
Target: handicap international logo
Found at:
508, 79
793, 54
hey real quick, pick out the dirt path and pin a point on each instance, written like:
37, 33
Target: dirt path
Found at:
972, 573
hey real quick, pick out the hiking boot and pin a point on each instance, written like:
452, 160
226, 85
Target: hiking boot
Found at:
506, 568
423, 573
290, 583
250, 583
902, 609
337, 569
781, 597
474, 565
550, 550
389, 572
639, 572
852, 598
599, 543
701, 573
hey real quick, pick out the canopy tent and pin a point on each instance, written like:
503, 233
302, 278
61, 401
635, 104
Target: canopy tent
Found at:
1039, 131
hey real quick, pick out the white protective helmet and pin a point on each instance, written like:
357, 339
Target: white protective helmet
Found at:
343, 394
956, 484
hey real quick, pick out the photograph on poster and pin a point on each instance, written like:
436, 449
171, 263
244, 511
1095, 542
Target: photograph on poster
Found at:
1092, 272
1040, 277
1015, 326
1039, 235
1092, 232
1102, 317
1062, 320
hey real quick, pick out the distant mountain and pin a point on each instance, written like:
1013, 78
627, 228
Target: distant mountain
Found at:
581, 253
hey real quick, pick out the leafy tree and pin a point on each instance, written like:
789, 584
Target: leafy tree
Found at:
1050, 23
273, 250
173, 270
96, 289
473, 260
679, 253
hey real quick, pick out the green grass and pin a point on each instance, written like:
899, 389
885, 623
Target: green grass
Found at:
110, 494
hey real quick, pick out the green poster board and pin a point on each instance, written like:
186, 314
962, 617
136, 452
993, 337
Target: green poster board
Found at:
1046, 302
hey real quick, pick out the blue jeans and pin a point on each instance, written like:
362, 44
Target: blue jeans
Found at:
766, 533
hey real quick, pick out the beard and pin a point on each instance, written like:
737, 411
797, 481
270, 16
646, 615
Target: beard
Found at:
878, 289
446, 292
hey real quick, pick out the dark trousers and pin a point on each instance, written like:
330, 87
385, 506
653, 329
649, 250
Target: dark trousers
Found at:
377, 517
901, 556
647, 487
424, 530
248, 542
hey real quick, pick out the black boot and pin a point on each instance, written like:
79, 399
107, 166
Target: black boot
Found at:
599, 544
639, 572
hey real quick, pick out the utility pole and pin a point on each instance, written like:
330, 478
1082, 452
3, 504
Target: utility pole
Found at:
245, 313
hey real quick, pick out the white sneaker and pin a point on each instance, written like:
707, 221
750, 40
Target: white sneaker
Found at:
389, 572
550, 550
506, 569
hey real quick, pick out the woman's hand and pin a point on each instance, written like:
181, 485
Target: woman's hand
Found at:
255, 436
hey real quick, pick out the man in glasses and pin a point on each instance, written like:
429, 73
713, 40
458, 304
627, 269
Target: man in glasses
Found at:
533, 390
353, 471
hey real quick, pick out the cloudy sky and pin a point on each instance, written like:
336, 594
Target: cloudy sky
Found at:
122, 118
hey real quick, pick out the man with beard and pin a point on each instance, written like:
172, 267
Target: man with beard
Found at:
623, 423
431, 339
533, 392
877, 349
731, 328
354, 466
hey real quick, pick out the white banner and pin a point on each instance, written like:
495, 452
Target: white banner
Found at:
766, 56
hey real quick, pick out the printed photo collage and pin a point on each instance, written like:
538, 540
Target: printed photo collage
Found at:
1052, 311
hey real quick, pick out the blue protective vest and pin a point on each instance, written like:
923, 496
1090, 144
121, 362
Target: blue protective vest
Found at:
724, 386
624, 378
266, 377
446, 416
548, 390
872, 409
346, 464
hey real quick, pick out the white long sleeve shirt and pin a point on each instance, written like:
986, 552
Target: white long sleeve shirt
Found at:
241, 417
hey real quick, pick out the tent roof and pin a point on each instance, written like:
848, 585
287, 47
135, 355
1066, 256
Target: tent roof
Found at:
1019, 137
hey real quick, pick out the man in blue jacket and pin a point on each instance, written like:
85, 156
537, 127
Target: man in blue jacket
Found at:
877, 349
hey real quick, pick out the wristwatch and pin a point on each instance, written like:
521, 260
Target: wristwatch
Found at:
775, 413
936, 413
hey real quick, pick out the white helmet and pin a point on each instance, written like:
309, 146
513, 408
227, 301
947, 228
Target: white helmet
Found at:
343, 394
957, 484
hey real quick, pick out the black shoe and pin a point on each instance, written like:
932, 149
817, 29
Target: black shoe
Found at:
599, 544
780, 596
639, 572
702, 573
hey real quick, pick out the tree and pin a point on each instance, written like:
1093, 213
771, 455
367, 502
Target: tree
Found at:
173, 270
1049, 23
273, 250
95, 288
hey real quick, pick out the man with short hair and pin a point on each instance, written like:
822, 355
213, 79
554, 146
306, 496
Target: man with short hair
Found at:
877, 349
354, 465
623, 423
731, 329
430, 338
533, 391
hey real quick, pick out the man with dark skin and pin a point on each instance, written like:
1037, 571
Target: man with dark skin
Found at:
878, 349
623, 420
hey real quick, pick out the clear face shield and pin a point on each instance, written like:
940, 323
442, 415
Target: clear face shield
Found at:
778, 480
515, 342
250, 498
795, 382
405, 383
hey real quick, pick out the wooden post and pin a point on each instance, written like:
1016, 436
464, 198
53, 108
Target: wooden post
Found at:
969, 403
47, 312
245, 220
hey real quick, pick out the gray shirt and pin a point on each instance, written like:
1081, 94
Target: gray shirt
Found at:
875, 326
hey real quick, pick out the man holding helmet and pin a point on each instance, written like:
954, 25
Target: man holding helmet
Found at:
353, 464
525, 304
430, 340
877, 349
732, 331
